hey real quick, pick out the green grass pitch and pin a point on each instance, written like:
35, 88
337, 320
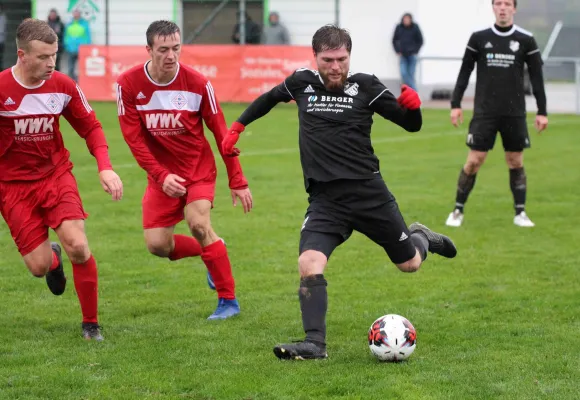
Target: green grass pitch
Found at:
500, 321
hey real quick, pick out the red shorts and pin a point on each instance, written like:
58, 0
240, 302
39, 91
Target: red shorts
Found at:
30, 208
162, 211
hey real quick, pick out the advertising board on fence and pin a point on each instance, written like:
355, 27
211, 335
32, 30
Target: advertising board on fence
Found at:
238, 74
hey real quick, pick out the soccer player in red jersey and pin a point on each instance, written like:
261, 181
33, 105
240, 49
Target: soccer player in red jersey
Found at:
162, 106
37, 187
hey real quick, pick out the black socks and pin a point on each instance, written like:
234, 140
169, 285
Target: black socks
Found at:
313, 305
465, 184
518, 185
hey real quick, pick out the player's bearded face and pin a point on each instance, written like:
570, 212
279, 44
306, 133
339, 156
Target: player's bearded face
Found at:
39, 59
333, 66
504, 11
165, 52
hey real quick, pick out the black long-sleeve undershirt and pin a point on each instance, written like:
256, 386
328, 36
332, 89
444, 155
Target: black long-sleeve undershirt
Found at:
261, 106
385, 106
535, 70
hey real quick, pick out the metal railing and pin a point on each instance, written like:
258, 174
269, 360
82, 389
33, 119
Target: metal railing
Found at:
550, 61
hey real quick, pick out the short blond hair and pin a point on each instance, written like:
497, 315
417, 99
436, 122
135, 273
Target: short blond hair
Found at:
34, 29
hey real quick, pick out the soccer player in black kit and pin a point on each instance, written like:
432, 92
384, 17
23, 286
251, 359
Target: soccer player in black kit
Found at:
500, 53
341, 174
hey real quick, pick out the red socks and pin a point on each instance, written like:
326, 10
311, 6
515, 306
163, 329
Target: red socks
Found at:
85, 279
215, 257
185, 246
55, 261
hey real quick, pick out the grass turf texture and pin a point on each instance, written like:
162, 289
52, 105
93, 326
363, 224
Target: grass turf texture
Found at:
496, 322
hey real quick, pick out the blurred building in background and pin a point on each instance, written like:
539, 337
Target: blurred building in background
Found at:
446, 26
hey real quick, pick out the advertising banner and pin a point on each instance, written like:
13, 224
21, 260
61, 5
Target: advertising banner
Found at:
238, 74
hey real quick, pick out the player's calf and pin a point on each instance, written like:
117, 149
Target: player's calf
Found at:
216, 259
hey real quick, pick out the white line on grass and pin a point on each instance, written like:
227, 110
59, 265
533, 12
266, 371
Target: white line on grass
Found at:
289, 150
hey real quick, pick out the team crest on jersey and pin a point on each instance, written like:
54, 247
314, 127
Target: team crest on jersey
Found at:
179, 101
514, 45
52, 103
351, 89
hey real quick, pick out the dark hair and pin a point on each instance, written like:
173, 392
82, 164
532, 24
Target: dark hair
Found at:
161, 28
515, 3
331, 37
34, 29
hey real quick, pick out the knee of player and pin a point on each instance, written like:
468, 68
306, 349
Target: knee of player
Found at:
39, 270
412, 265
200, 229
475, 160
472, 165
159, 248
514, 161
311, 262
158, 243
77, 250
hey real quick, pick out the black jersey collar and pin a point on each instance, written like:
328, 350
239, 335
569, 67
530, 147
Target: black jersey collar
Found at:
503, 31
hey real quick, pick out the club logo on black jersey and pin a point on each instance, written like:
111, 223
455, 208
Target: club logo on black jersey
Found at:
351, 89
514, 45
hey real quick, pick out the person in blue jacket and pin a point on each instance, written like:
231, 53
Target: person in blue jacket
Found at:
76, 33
407, 41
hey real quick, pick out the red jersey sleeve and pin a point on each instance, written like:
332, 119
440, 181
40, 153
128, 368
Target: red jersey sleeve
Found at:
82, 118
134, 133
213, 116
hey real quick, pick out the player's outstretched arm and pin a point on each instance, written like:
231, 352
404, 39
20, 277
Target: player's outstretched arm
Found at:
214, 119
82, 118
404, 111
257, 109
535, 70
134, 134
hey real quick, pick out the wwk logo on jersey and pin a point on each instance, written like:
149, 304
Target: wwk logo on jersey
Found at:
163, 121
34, 126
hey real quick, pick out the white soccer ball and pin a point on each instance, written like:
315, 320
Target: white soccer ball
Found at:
392, 338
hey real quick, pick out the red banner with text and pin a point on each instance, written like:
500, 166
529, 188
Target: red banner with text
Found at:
238, 74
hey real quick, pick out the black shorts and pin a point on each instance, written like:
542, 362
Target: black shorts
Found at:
367, 206
483, 130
